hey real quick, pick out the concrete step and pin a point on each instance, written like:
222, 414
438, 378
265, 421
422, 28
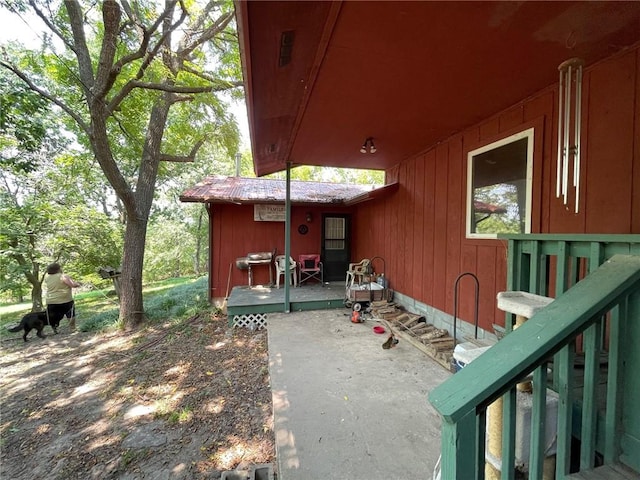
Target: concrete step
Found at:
616, 471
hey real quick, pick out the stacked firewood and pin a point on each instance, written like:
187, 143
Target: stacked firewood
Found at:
414, 328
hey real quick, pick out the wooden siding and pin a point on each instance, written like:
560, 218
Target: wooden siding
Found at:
420, 231
234, 234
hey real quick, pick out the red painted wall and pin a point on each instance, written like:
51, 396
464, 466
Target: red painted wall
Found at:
234, 234
420, 231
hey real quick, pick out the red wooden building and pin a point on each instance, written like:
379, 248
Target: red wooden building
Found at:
247, 215
530, 106
431, 82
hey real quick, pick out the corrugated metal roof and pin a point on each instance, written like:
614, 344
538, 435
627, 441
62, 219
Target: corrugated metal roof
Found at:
217, 189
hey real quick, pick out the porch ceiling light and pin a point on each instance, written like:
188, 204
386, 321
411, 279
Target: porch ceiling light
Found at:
368, 146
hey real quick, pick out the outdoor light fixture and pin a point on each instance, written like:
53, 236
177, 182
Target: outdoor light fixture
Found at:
368, 146
309, 217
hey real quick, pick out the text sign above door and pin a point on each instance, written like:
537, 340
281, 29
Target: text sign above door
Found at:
268, 213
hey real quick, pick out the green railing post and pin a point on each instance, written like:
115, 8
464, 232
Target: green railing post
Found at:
538, 422
588, 295
564, 366
459, 450
613, 414
509, 410
591, 345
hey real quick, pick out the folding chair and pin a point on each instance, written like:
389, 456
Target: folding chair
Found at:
310, 267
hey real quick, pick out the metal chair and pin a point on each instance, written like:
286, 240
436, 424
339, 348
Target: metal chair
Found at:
281, 270
356, 270
310, 267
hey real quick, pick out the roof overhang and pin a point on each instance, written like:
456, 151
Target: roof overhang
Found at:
250, 191
381, 192
321, 77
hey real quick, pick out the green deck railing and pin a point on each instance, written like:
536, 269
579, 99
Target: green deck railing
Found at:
550, 264
595, 286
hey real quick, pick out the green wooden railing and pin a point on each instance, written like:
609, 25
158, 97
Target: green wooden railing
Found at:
597, 284
549, 264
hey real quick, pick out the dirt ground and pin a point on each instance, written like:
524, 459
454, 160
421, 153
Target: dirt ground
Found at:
172, 401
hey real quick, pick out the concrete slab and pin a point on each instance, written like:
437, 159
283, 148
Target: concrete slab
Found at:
346, 408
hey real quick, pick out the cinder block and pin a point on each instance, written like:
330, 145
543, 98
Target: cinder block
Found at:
235, 475
262, 472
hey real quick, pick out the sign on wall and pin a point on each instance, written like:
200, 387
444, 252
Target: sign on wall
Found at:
268, 213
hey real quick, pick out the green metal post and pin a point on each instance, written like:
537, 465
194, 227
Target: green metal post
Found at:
287, 241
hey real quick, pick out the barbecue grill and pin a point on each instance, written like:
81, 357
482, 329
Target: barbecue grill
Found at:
255, 259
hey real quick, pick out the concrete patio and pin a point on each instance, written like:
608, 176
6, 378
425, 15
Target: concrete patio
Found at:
344, 407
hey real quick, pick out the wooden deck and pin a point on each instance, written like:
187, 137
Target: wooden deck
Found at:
262, 299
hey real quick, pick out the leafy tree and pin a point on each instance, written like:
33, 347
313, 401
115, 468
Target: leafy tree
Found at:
141, 83
43, 222
25, 143
24, 123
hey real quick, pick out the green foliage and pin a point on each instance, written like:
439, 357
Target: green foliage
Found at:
63, 207
308, 173
24, 123
139, 94
502, 195
46, 218
174, 299
171, 245
182, 301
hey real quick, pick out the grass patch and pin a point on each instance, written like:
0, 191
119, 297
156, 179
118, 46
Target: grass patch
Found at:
180, 416
173, 299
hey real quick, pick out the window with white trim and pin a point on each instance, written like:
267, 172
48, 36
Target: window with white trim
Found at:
499, 179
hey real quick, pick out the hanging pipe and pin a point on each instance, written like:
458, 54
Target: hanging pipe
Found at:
384, 278
455, 303
384, 265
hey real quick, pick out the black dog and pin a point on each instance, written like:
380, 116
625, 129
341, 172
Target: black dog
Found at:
33, 320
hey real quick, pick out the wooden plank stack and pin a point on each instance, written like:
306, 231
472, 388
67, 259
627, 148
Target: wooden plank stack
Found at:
413, 328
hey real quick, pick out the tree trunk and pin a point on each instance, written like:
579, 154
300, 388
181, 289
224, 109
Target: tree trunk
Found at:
36, 297
131, 303
102, 88
33, 276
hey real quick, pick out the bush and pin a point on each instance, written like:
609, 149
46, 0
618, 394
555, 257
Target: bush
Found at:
179, 302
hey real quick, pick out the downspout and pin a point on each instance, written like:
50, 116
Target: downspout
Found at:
287, 240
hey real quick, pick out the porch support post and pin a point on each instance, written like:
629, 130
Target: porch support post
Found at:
459, 447
287, 240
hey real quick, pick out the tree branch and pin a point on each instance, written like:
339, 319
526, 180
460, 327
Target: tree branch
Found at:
205, 76
53, 99
76, 19
208, 34
165, 157
142, 52
222, 86
46, 18
106, 74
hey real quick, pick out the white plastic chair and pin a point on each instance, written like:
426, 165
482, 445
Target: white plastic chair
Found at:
281, 269
356, 270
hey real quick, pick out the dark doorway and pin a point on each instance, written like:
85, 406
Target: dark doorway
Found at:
336, 246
